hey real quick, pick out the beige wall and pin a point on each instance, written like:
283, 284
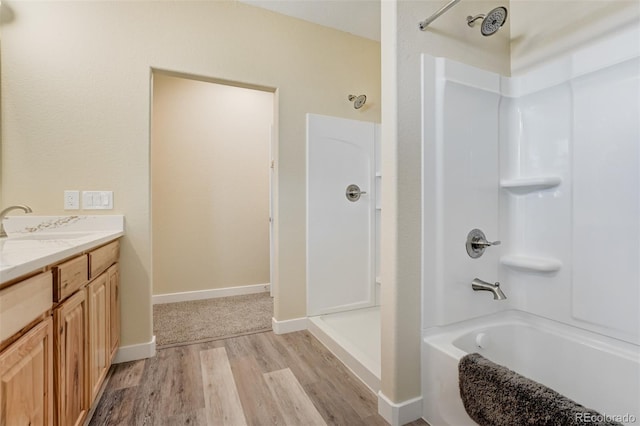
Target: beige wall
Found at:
542, 30
76, 110
209, 184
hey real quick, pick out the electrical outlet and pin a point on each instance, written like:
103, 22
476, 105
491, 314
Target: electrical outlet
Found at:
71, 200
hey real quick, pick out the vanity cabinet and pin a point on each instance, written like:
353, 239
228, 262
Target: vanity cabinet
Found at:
86, 326
70, 325
59, 332
26, 378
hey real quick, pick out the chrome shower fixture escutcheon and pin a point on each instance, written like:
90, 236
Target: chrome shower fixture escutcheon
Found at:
477, 242
353, 193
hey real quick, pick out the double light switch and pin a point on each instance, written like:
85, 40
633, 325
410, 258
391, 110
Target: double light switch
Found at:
97, 200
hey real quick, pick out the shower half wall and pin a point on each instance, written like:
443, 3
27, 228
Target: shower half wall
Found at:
548, 162
342, 248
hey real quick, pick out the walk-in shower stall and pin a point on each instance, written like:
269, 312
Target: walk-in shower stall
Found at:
343, 218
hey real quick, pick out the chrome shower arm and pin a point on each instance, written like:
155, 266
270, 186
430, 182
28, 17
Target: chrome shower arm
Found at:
471, 20
423, 25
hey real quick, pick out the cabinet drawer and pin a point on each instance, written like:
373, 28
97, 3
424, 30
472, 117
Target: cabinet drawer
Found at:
24, 302
100, 259
70, 276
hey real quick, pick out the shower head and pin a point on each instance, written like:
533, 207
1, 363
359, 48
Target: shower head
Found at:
491, 22
358, 101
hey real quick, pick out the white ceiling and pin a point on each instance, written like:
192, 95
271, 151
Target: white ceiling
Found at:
359, 17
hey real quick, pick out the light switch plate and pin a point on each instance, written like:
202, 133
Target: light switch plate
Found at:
97, 200
71, 200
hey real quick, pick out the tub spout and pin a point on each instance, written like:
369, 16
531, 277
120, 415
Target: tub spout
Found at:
478, 285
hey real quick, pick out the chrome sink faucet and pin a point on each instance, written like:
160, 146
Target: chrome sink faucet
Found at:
478, 285
4, 212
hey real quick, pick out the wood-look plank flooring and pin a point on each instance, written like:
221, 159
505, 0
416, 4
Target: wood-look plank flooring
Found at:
254, 380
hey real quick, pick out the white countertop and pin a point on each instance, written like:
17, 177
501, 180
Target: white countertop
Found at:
37, 241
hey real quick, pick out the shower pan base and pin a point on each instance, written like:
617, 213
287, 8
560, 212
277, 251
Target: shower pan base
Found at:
354, 338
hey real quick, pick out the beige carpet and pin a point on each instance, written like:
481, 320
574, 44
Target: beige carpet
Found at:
211, 319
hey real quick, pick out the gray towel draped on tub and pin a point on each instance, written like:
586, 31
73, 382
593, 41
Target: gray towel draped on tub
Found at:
493, 395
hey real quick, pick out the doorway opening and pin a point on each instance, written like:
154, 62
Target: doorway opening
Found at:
213, 146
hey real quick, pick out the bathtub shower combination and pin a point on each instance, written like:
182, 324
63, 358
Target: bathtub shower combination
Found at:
548, 163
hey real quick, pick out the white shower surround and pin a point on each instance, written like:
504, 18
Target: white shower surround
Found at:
549, 163
341, 242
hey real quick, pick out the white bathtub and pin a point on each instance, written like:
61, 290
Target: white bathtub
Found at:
596, 371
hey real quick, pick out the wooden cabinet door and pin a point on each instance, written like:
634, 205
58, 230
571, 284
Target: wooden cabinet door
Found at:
114, 310
26, 378
70, 325
98, 301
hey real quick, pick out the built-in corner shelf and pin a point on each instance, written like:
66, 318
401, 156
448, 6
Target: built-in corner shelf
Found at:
529, 263
530, 184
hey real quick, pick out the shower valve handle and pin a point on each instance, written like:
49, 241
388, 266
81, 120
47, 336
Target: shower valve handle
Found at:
477, 242
485, 243
353, 192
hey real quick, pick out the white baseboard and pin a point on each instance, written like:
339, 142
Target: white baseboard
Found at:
289, 326
136, 352
185, 296
399, 414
